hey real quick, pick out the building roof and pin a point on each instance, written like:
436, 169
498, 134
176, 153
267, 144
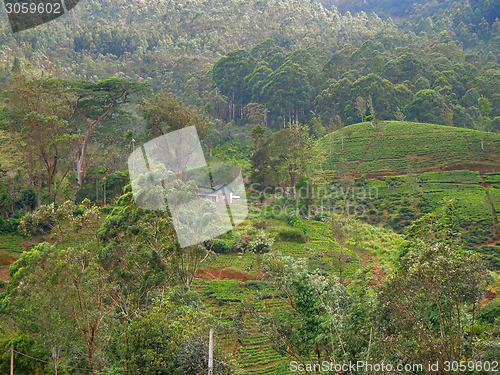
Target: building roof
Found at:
217, 187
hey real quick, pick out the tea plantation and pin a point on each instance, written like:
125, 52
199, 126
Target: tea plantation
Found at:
409, 168
398, 147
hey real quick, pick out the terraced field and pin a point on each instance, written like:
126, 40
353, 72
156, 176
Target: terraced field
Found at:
226, 297
404, 146
253, 352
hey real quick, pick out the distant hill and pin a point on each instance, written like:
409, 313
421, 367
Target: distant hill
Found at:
400, 147
487, 9
388, 8
409, 168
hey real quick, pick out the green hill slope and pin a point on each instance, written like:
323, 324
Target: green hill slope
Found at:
401, 147
409, 168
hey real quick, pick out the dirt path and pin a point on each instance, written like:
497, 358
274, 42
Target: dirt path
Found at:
364, 153
222, 274
4, 276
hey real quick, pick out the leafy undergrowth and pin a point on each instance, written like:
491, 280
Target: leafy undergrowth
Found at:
11, 245
226, 298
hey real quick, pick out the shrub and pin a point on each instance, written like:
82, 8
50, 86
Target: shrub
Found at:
220, 246
241, 243
489, 313
292, 235
8, 225
78, 212
261, 243
106, 209
260, 225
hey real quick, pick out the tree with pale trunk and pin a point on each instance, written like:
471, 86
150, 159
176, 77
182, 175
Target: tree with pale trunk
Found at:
97, 110
39, 110
361, 107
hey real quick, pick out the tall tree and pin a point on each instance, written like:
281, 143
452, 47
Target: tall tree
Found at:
164, 114
361, 107
39, 111
97, 106
229, 74
285, 156
429, 305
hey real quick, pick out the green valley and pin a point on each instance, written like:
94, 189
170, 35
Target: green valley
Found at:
314, 182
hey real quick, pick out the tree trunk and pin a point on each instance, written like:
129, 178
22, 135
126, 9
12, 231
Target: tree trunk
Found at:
39, 187
54, 358
234, 107
30, 168
82, 158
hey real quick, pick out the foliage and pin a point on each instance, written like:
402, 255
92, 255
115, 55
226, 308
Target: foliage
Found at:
294, 235
284, 157
220, 246
39, 111
490, 313
316, 323
429, 305
261, 242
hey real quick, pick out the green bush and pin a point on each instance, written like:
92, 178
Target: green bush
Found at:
8, 225
490, 312
106, 209
220, 246
292, 235
78, 212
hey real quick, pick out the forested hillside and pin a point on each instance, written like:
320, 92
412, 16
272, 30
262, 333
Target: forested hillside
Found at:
367, 134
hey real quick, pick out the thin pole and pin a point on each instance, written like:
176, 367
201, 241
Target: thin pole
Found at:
12, 360
211, 352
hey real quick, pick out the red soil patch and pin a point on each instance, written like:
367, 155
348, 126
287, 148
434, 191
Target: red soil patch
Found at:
222, 274
4, 276
490, 296
378, 274
4, 271
5, 260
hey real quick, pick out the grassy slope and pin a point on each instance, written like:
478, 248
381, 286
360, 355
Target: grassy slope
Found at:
405, 146
414, 166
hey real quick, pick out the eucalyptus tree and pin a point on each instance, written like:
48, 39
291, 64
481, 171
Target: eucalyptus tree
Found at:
97, 111
229, 74
38, 110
